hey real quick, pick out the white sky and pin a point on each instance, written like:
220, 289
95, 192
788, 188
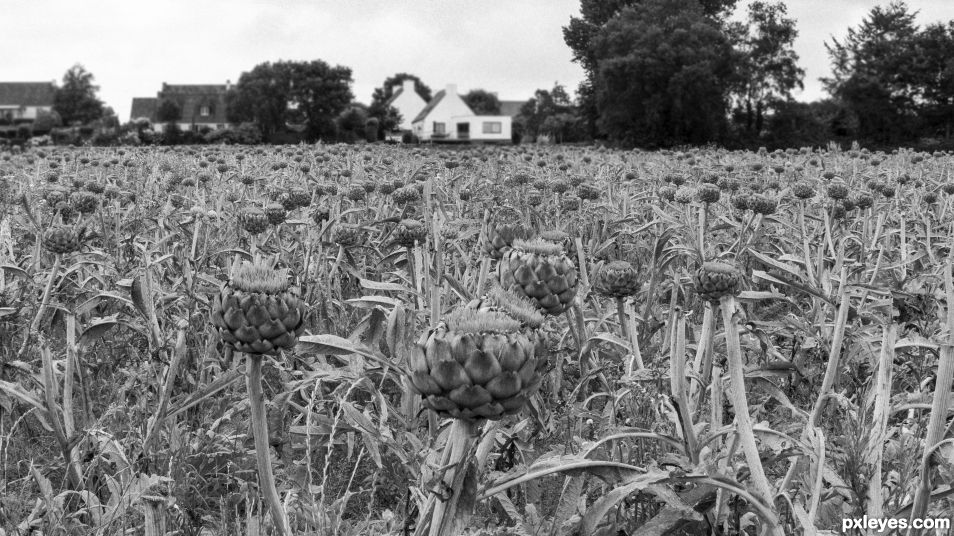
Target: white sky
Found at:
512, 47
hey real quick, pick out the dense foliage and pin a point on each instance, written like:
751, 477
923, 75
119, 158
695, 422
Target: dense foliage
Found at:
309, 94
734, 341
645, 65
75, 100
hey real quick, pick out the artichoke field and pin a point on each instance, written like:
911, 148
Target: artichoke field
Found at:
476, 340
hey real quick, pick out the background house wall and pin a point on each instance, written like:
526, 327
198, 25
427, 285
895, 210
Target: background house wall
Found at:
450, 105
408, 103
477, 123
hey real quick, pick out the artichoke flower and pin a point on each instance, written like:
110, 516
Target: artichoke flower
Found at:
257, 311
540, 271
476, 364
617, 279
715, 280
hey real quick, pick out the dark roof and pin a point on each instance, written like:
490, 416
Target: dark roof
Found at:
438, 97
511, 108
27, 93
395, 95
144, 107
192, 98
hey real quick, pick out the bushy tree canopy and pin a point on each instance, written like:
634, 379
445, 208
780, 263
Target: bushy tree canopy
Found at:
663, 74
767, 68
482, 102
309, 93
75, 101
873, 74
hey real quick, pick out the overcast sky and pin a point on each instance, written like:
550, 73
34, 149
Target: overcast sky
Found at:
511, 47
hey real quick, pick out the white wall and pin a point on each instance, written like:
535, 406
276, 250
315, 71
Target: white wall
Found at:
27, 112
450, 107
408, 104
161, 127
477, 127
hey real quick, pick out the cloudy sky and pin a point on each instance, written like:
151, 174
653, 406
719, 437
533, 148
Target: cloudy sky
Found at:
511, 47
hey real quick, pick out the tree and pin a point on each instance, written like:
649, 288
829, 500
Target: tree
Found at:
273, 95
767, 65
582, 32
544, 105
935, 74
663, 74
388, 117
47, 121
482, 102
874, 73
168, 111
76, 100
350, 123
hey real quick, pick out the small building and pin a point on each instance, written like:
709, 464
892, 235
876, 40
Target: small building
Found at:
22, 102
201, 106
448, 119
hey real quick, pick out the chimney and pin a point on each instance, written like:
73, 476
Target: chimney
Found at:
408, 86
451, 89
228, 85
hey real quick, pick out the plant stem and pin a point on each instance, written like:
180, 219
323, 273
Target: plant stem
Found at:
446, 519
635, 360
266, 480
942, 394
740, 403
43, 304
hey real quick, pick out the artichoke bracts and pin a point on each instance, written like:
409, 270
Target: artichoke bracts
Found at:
61, 240
475, 364
617, 279
497, 237
257, 312
408, 232
561, 238
715, 279
540, 271
518, 308
254, 220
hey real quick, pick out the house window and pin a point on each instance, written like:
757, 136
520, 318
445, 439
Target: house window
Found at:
493, 127
439, 128
205, 111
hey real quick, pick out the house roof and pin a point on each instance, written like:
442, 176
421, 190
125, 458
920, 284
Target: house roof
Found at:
394, 96
511, 108
27, 93
144, 107
438, 97
191, 98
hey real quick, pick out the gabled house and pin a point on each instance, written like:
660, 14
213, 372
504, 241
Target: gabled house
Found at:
22, 102
407, 102
201, 106
447, 118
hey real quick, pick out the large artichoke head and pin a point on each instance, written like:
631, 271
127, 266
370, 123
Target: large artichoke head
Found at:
476, 364
257, 311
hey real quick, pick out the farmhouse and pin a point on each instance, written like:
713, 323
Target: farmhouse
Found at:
22, 102
202, 107
447, 118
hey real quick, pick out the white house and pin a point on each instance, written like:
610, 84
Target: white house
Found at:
447, 118
407, 102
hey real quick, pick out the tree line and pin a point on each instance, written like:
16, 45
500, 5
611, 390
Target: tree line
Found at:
662, 73
658, 73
